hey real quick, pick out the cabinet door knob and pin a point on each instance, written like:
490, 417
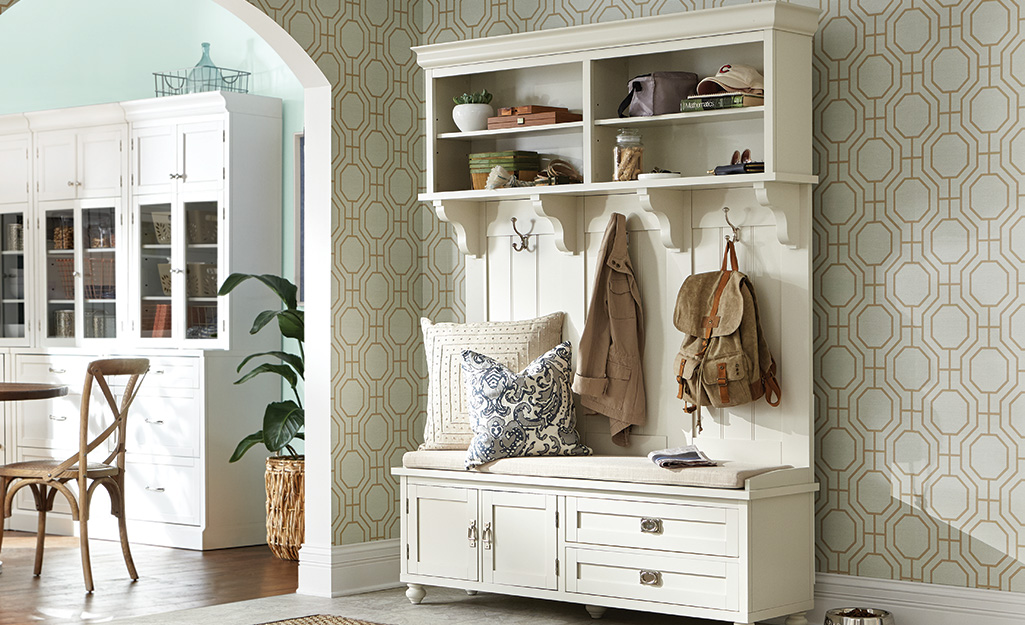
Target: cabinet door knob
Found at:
486, 536
651, 526
155, 489
471, 533
71, 183
56, 418
651, 578
78, 184
175, 270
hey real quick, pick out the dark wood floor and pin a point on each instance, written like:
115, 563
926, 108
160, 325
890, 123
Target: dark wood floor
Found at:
169, 579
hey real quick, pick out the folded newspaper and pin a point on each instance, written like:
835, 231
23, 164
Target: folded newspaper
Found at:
678, 457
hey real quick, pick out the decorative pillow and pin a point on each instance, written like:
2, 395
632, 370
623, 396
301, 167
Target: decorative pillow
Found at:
512, 343
521, 414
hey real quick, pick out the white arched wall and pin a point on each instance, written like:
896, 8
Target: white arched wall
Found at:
316, 565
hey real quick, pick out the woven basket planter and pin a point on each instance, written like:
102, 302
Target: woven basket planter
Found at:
286, 523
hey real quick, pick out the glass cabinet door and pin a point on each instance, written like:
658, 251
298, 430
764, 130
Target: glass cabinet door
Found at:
155, 271
99, 272
12, 271
61, 273
201, 269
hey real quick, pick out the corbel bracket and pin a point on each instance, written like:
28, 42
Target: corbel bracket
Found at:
672, 209
464, 215
786, 201
564, 212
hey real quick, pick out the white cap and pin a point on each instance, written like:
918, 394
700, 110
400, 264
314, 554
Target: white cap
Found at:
733, 78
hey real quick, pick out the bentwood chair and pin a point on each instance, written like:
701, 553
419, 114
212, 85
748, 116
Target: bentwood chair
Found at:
48, 477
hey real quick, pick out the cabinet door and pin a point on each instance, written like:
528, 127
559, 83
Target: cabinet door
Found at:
202, 254
12, 272
201, 156
56, 176
99, 162
442, 532
62, 271
98, 221
15, 165
518, 536
154, 159
153, 276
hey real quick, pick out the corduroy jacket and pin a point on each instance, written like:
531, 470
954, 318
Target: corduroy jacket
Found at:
609, 377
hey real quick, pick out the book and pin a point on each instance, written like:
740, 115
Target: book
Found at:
718, 101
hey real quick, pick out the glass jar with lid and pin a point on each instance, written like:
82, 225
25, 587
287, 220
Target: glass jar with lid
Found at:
627, 155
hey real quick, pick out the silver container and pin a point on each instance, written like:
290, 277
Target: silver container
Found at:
858, 616
64, 323
14, 240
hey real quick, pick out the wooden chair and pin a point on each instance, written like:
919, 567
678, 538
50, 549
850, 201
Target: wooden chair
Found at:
47, 477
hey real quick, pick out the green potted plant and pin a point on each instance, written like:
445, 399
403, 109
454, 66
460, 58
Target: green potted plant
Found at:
472, 110
283, 421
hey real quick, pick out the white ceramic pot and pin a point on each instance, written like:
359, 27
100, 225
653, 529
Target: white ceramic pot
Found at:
470, 117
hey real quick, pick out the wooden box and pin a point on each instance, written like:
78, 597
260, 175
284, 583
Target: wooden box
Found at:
533, 119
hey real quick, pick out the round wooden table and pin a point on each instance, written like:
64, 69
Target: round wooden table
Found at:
19, 391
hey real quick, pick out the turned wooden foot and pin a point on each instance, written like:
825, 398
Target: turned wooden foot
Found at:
415, 593
471, 592
596, 611
797, 619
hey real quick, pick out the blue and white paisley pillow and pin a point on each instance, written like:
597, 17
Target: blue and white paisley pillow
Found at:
521, 414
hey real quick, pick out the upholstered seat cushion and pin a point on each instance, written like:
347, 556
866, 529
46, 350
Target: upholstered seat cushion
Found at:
610, 468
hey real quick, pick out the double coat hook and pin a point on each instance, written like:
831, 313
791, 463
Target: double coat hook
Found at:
735, 237
524, 238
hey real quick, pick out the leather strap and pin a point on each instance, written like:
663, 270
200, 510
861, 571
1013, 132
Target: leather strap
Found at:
730, 253
771, 385
679, 379
722, 382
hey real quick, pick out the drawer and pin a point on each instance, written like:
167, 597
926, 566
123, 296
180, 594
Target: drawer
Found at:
681, 528
696, 581
53, 423
165, 491
163, 422
172, 373
69, 370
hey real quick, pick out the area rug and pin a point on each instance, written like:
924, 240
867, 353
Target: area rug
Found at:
321, 619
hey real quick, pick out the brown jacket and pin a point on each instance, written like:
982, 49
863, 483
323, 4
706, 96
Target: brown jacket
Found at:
609, 379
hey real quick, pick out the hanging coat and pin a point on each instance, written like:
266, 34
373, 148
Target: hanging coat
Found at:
609, 378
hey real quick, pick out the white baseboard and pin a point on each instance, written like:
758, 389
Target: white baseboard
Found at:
914, 603
349, 569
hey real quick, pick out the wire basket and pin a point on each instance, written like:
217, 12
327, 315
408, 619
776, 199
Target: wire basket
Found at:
202, 322
99, 278
200, 79
66, 273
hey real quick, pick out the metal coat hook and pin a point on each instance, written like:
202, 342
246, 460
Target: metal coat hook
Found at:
524, 238
736, 230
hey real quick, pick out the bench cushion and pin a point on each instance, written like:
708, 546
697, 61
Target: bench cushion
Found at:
610, 468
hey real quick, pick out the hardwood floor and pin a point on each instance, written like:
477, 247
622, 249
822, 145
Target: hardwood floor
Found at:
169, 579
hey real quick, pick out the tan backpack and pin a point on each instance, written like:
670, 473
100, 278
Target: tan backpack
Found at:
724, 360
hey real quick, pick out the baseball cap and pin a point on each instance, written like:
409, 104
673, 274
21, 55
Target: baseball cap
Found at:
733, 78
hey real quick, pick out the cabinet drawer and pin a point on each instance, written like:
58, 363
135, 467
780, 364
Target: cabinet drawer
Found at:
69, 370
680, 580
54, 423
163, 422
166, 492
647, 525
172, 373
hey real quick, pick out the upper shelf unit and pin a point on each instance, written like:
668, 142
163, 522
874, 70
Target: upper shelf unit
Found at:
587, 69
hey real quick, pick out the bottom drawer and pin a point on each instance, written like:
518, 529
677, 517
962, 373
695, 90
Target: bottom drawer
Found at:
700, 582
168, 492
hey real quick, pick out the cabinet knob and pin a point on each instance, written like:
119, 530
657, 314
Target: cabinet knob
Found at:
651, 526
56, 418
176, 270
77, 274
471, 533
78, 184
155, 489
651, 578
486, 536
71, 183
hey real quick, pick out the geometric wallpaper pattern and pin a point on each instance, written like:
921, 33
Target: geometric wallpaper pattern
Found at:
919, 238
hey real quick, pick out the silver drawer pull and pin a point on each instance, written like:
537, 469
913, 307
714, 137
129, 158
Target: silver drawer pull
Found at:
155, 489
57, 371
153, 421
651, 526
157, 372
56, 418
471, 533
651, 578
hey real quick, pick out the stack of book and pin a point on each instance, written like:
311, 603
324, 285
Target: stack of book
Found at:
681, 457
531, 115
718, 101
522, 164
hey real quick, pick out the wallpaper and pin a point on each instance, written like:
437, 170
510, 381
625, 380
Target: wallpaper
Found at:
919, 244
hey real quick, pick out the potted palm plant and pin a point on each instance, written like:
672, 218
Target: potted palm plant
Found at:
283, 421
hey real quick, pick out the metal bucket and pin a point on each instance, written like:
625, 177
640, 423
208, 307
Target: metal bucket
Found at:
858, 616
